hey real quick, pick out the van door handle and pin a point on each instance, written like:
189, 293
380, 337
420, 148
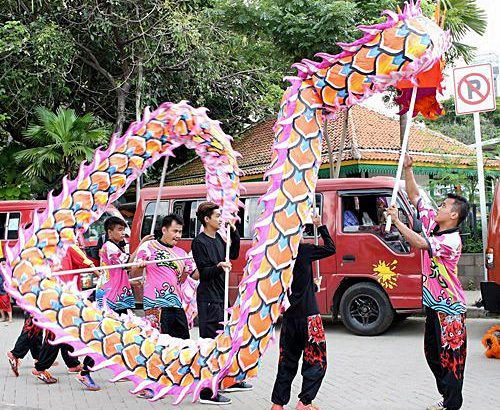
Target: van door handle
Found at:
348, 258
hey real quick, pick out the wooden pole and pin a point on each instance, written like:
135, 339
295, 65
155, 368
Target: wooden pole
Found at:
158, 196
226, 273
121, 265
404, 146
341, 145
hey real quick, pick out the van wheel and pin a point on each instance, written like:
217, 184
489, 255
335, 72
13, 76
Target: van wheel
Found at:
366, 310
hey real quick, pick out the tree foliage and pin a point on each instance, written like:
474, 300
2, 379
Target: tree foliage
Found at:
59, 142
112, 58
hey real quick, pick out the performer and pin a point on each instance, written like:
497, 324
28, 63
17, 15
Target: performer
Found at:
445, 337
30, 340
116, 290
209, 253
75, 258
162, 287
5, 306
302, 328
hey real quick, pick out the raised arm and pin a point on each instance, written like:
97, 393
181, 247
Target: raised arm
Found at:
411, 184
414, 239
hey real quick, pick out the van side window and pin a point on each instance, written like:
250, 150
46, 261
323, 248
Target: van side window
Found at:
148, 217
13, 225
364, 213
9, 225
249, 216
187, 211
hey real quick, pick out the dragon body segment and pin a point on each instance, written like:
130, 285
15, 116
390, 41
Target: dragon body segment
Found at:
400, 49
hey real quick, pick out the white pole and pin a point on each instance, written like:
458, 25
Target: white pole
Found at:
226, 273
404, 146
315, 230
121, 265
158, 196
482, 188
341, 145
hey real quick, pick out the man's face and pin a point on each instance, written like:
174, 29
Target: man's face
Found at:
215, 220
445, 212
117, 234
172, 234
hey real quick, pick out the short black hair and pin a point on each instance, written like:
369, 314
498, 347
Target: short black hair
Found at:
205, 209
460, 205
167, 221
112, 221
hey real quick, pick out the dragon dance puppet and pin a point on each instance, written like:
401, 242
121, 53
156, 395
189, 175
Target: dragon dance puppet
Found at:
401, 52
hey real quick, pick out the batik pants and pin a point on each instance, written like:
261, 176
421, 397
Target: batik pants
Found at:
445, 344
300, 336
49, 352
30, 340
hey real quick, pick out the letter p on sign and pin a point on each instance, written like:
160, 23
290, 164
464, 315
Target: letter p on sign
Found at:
474, 89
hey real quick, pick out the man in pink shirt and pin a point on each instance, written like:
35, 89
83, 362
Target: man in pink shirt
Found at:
162, 288
116, 292
445, 340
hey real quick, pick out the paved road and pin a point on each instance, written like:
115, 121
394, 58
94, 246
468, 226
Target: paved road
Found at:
381, 373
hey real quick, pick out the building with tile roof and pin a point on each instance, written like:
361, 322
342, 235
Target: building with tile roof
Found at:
372, 147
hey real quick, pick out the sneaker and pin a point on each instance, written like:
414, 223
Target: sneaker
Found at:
44, 376
437, 406
76, 369
88, 382
218, 400
14, 363
146, 394
243, 386
302, 406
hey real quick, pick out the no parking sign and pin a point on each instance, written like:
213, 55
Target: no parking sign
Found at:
475, 93
474, 89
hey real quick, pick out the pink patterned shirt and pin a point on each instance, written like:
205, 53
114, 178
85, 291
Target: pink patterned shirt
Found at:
442, 290
162, 287
116, 290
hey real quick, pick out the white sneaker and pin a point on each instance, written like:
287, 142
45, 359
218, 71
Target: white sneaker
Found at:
437, 406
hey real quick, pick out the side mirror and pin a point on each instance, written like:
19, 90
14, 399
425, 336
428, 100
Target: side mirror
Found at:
417, 224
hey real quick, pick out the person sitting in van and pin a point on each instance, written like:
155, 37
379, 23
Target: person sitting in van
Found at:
302, 332
350, 217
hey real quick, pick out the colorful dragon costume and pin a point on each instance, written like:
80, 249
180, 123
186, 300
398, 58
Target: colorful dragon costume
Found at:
404, 48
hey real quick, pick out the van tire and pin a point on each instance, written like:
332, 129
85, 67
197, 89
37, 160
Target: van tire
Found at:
366, 310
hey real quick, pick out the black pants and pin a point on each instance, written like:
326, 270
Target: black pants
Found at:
300, 335
173, 322
30, 340
445, 344
48, 356
210, 316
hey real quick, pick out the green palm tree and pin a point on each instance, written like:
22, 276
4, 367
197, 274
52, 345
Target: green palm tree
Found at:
460, 17
60, 142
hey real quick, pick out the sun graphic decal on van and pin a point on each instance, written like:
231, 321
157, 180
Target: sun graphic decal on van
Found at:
386, 274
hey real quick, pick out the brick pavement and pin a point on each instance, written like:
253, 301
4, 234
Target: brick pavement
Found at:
387, 372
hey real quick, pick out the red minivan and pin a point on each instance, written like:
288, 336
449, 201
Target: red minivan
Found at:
373, 276
490, 290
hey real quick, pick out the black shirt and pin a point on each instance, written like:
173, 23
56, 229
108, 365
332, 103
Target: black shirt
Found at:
207, 253
303, 298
